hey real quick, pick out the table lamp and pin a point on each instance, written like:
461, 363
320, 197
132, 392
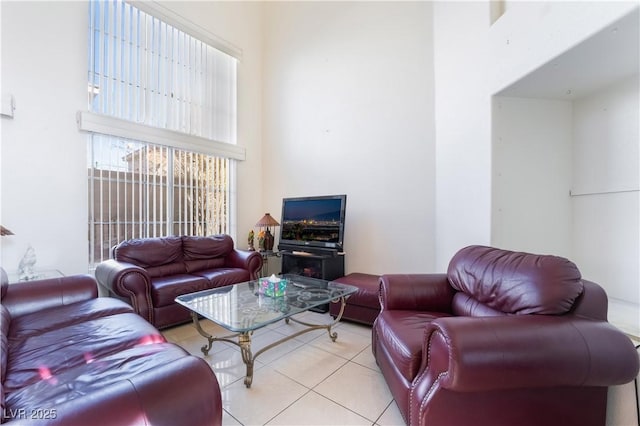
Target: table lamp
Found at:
266, 222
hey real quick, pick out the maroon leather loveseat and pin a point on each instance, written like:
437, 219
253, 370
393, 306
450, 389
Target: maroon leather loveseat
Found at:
504, 338
71, 358
149, 273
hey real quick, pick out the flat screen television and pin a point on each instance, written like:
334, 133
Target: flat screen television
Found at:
313, 222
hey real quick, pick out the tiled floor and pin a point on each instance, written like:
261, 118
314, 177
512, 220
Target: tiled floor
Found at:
309, 380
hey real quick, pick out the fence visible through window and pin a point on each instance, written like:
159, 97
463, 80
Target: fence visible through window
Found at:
144, 190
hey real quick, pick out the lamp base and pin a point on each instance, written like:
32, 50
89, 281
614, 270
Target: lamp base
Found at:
268, 240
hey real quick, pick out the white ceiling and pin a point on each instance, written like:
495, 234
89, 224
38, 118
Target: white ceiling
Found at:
608, 56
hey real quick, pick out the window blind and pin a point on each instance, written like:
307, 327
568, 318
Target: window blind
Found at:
145, 71
162, 123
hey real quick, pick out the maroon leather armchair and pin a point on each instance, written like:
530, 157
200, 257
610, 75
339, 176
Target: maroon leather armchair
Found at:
504, 338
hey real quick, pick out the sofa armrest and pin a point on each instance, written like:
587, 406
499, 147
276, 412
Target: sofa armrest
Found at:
245, 259
592, 303
128, 281
468, 354
416, 292
32, 296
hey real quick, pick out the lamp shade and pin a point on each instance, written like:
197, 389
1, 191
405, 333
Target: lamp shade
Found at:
4, 231
267, 220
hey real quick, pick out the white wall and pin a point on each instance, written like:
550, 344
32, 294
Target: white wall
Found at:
348, 109
43, 191
606, 185
463, 127
531, 33
43, 194
531, 166
474, 60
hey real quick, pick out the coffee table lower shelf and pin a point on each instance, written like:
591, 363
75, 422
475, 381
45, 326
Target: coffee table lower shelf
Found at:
244, 338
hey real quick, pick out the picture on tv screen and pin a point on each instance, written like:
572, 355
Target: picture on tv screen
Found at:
313, 220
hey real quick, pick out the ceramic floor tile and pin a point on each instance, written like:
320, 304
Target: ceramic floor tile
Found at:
292, 327
391, 416
358, 388
270, 393
180, 332
366, 359
308, 365
347, 345
347, 386
364, 330
264, 338
229, 367
314, 409
228, 420
193, 345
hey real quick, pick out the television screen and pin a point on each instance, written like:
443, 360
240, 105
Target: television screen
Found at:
313, 221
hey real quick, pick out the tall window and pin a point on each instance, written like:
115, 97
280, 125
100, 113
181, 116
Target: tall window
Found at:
162, 117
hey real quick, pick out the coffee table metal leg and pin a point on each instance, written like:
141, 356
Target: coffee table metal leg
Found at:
244, 339
196, 321
332, 334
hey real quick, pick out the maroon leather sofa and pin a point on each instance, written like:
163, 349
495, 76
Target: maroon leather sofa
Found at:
504, 338
149, 273
71, 358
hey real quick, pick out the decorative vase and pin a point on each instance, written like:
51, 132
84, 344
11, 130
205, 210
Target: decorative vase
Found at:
250, 240
268, 240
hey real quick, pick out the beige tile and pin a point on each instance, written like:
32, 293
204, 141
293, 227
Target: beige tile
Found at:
347, 345
359, 389
229, 367
228, 420
308, 365
264, 338
391, 416
314, 409
293, 327
366, 359
270, 393
180, 332
364, 330
285, 374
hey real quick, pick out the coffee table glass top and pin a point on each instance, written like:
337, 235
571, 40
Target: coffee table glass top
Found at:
251, 305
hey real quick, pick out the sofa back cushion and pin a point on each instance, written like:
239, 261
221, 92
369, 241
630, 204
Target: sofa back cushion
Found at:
159, 256
514, 282
202, 253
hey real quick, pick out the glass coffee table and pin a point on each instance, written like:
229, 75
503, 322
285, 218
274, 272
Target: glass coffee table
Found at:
246, 307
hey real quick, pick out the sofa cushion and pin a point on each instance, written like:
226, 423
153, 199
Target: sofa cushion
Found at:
87, 378
206, 252
516, 282
402, 333
56, 351
467, 306
224, 276
47, 320
159, 256
164, 290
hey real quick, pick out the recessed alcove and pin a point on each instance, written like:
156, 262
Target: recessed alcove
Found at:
566, 162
